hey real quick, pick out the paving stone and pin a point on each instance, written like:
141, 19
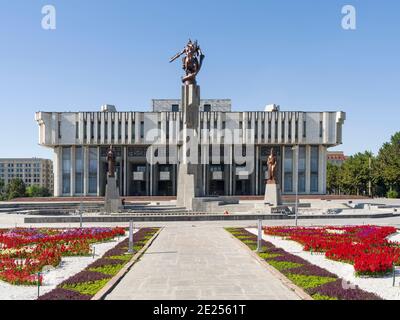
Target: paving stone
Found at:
199, 263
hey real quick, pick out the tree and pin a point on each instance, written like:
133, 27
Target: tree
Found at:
333, 178
36, 191
388, 163
2, 190
355, 173
15, 189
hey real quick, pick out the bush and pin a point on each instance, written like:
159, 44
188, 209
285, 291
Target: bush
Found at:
35, 191
15, 189
393, 194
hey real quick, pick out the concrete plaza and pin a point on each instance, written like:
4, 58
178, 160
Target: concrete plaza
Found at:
191, 263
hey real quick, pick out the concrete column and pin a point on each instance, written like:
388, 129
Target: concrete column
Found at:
174, 178
282, 180
189, 174
151, 172
57, 169
256, 168
125, 171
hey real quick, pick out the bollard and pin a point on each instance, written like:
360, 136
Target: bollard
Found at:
80, 219
394, 275
130, 250
94, 251
259, 236
38, 285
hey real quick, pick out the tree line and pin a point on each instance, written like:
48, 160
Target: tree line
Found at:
368, 174
16, 188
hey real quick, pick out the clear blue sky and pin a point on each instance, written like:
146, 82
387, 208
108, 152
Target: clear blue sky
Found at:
293, 53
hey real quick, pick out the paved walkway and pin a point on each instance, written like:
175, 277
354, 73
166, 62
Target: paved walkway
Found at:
187, 263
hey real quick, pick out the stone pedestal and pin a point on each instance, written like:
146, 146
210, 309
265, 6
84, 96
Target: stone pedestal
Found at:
189, 186
273, 195
112, 202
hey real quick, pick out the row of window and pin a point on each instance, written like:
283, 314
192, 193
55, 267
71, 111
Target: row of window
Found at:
17, 176
20, 165
79, 176
288, 166
208, 126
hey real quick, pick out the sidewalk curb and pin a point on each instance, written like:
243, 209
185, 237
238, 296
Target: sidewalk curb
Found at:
286, 282
101, 295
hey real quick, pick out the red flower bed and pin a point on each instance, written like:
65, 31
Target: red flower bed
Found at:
366, 247
24, 252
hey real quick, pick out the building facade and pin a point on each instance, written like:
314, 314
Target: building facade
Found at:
80, 141
336, 157
33, 171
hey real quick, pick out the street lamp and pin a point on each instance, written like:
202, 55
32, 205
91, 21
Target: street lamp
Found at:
296, 149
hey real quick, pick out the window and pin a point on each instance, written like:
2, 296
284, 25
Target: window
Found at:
106, 130
302, 169
93, 170
321, 129
59, 129
119, 130
66, 170
99, 130
79, 170
175, 108
288, 167
85, 129
91, 130
207, 108
263, 130
283, 130
314, 169
304, 129
269, 130
142, 130
290, 130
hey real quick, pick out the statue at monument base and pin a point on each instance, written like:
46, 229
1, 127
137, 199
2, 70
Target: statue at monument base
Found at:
272, 189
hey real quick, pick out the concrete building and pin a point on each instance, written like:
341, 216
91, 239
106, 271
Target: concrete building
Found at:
33, 171
336, 157
80, 141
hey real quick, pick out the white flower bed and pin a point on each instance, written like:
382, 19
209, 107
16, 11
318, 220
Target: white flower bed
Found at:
382, 286
69, 267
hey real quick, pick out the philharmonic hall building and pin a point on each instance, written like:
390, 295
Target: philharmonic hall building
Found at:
80, 141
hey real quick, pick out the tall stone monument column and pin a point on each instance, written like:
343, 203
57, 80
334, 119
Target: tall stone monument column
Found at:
189, 184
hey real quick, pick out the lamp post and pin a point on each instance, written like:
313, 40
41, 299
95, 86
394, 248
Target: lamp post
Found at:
296, 149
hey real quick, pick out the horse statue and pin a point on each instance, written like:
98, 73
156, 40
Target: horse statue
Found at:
191, 62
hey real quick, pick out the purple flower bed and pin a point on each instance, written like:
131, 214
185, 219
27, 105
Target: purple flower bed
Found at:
64, 294
87, 276
337, 289
105, 262
312, 270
